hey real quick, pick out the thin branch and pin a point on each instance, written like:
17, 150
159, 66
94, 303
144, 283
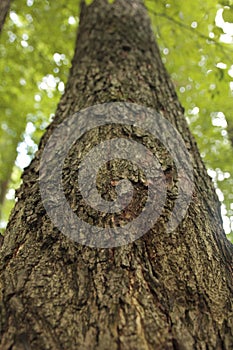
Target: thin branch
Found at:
187, 27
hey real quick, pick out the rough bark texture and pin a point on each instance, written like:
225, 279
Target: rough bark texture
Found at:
164, 291
4, 8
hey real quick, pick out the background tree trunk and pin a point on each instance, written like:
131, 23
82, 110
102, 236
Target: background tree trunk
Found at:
165, 290
4, 8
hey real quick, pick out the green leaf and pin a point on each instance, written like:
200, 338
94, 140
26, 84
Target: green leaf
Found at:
225, 2
218, 31
228, 14
89, 2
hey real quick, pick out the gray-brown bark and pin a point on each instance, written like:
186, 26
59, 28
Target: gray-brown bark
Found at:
4, 8
165, 290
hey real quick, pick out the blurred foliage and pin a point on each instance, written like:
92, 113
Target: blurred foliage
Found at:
197, 49
88, 2
36, 48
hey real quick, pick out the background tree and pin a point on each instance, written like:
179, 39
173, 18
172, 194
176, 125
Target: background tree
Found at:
4, 8
164, 291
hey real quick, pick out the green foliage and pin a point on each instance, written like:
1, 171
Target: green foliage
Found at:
34, 64
226, 2
200, 64
89, 2
228, 14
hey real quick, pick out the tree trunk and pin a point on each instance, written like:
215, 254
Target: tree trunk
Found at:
4, 8
166, 290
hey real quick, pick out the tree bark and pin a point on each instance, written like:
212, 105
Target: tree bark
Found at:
4, 8
163, 291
